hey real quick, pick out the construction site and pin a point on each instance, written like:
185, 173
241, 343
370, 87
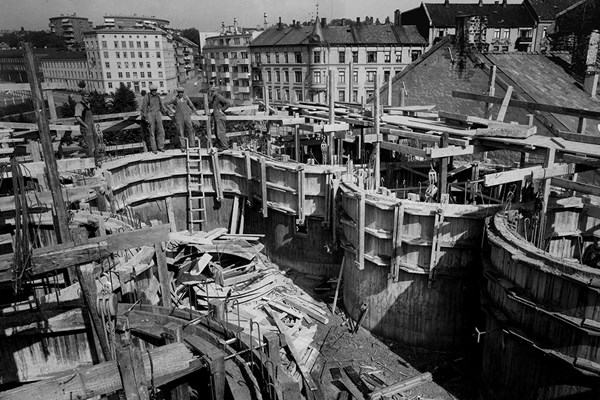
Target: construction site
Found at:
395, 249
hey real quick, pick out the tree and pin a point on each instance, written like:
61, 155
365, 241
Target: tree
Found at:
81, 84
67, 109
122, 100
191, 34
99, 103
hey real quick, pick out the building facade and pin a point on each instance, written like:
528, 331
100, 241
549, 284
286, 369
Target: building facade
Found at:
70, 28
135, 57
133, 21
227, 62
70, 68
545, 13
12, 63
292, 63
508, 27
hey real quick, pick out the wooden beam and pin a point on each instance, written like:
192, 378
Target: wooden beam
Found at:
61, 256
164, 363
78, 193
578, 137
163, 274
360, 232
263, 185
576, 186
324, 128
404, 149
41, 117
548, 164
444, 166
131, 368
491, 91
376, 116
427, 137
537, 172
575, 112
504, 105
452, 151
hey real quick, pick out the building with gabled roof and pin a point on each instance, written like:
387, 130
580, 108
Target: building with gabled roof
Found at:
291, 63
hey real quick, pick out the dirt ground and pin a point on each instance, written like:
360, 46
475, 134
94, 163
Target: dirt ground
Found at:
454, 376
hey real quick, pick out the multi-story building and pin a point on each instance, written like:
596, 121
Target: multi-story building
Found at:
70, 28
135, 57
506, 27
12, 63
186, 53
227, 61
133, 21
292, 63
70, 68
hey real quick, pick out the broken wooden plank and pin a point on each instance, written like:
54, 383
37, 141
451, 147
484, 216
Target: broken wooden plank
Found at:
293, 302
401, 386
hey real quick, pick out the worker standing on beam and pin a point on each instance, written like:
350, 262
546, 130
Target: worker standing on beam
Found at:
152, 112
85, 118
183, 118
219, 105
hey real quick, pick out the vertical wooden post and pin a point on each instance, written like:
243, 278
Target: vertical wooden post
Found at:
443, 179
217, 377
360, 227
376, 114
163, 275
389, 92
330, 88
402, 95
133, 374
51, 104
297, 151
550, 155
62, 220
175, 335
504, 105
263, 185
170, 213
272, 341
208, 121
491, 91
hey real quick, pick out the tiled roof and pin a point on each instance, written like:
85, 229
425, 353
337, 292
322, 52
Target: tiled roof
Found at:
498, 15
546, 81
340, 35
547, 9
67, 55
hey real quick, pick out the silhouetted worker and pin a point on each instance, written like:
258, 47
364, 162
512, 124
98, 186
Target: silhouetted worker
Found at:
83, 115
152, 112
183, 118
219, 104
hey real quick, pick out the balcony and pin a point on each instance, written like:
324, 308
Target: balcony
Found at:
242, 89
241, 75
524, 40
256, 65
226, 74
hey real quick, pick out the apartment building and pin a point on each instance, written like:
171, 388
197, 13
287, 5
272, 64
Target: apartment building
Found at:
70, 68
504, 27
70, 28
227, 61
292, 63
136, 57
12, 63
133, 21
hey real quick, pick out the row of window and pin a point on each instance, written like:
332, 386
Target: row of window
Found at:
130, 84
132, 54
284, 95
228, 41
225, 68
133, 64
134, 74
138, 44
228, 54
318, 76
318, 57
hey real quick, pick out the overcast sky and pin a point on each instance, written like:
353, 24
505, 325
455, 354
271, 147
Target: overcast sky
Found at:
205, 15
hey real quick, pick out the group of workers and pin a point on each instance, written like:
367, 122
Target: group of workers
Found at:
153, 108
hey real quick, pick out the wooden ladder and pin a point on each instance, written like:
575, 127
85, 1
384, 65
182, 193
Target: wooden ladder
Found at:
195, 188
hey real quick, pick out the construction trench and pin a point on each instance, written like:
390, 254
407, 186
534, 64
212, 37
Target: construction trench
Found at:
393, 264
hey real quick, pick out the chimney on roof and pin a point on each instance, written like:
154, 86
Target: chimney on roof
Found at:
235, 26
294, 23
447, 3
397, 18
265, 23
504, 3
480, 3
323, 21
222, 27
357, 20
279, 24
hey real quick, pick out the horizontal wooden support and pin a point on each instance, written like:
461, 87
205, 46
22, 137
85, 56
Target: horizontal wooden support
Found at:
578, 137
61, 256
325, 128
25, 86
404, 149
537, 172
451, 151
161, 365
42, 322
29, 126
576, 186
532, 106
426, 137
78, 193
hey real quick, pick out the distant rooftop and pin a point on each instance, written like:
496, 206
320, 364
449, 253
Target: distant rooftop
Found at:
500, 15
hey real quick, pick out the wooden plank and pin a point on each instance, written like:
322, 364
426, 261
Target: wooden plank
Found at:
263, 185
537, 172
453, 151
58, 257
404, 149
131, 368
397, 241
514, 132
163, 275
306, 310
401, 386
427, 137
576, 186
325, 128
578, 137
532, 106
504, 105
74, 194
360, 232
169, 362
